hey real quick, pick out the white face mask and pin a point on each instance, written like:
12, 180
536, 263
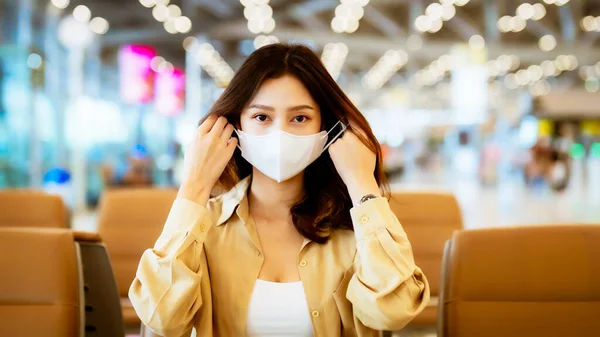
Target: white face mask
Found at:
281, 155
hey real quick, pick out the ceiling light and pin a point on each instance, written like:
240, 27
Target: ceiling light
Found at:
165, 67
561, 2
436, 25
351, 11
190, 43
547, 42
539, 11
352, 26
589, 24
265, 11
434, 11
252, 12
540, 88
461, 2
268, 26
518, 24
550, 2
522, 77
572, 62
256, 26
548, 68
99, 25
160, 13
592, 85
162, 2
505, 24
535, 72
82, 14
174, 11
448, 12
525, 11
477, 42
510, 81
338, 24
183, 24
423, 23
60, 4
156, 62
514, 62
147, 3
170, 27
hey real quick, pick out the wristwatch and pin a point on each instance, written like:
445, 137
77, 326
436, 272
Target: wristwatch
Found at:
368, 197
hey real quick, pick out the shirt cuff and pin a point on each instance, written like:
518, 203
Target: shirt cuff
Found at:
370, 217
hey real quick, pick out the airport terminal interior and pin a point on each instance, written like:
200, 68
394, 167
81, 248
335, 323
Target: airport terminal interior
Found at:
487, 113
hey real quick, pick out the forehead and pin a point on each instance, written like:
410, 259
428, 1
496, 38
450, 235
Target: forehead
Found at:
284, 91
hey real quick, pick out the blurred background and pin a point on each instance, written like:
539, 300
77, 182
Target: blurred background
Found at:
495, 101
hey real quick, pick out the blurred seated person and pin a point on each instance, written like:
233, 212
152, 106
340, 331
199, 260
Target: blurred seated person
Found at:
548, 165
136, 172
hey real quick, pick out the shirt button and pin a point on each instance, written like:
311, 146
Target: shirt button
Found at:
303, 263
202, 228
315, 314
364, 219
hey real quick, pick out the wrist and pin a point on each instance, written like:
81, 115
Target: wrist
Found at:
196, 193
362, 187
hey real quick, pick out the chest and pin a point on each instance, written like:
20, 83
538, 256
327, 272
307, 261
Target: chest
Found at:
235, 259
280, 245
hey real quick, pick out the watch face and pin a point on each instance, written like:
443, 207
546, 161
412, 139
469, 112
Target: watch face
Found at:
367, 197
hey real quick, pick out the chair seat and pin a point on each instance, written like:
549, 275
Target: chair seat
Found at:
129, 315
427, 317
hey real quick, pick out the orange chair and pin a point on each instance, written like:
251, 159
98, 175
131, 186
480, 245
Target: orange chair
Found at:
522, 281
40, 292
130, 221
429, 220
31, 208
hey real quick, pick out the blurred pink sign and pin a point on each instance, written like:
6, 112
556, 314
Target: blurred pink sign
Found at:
170, 92
136, 74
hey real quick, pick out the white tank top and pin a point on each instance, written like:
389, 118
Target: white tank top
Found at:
278, 310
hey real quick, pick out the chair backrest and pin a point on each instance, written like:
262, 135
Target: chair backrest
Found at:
522, 281
31, 208
103, 315
39, 287
129, 222
429, 220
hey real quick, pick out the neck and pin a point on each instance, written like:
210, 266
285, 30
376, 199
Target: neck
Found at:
271, 200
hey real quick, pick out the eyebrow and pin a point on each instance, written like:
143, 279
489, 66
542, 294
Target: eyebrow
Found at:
270, 108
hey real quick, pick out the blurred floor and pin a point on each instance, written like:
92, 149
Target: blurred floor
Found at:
509, 202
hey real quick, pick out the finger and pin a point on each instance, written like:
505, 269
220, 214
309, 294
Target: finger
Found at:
231, 145
227, 132
207, 125
217, 129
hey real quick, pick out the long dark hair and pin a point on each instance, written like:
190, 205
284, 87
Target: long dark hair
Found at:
326, 203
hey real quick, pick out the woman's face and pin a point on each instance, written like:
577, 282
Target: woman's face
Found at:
282, 104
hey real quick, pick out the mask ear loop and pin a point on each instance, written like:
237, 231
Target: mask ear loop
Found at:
238, 137
344, 128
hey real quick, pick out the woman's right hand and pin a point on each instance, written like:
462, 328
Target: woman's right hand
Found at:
205, 158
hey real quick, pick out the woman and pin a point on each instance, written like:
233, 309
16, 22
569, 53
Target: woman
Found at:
303, 244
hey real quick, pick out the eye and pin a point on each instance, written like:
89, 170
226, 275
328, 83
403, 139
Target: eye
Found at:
261, 118
300, 119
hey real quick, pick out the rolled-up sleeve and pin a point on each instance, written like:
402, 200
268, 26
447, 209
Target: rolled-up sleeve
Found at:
387, 289
166, 291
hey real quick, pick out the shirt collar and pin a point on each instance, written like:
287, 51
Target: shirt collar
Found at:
235, 200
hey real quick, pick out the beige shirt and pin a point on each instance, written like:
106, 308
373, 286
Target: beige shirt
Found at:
203, 267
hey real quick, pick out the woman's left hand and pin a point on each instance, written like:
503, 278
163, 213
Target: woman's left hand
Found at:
355, 163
